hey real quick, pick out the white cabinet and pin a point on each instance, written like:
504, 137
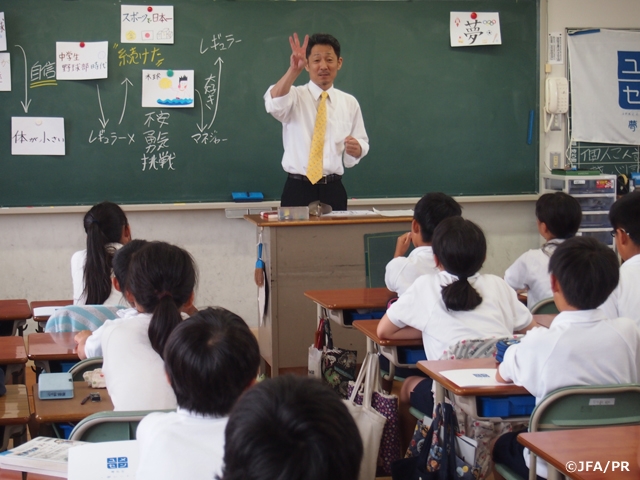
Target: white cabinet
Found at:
595, 193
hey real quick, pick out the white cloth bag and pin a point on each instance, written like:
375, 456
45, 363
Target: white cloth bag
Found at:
370, 423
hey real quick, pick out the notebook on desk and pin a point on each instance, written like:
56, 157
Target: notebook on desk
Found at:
104, 460
473, 377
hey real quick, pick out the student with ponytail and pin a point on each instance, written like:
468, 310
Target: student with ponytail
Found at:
456, 304
160, 283
107, 230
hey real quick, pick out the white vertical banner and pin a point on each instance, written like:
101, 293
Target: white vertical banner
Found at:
605, 86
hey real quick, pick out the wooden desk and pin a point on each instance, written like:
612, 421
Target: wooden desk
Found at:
44, 347
42, 319
15, 475
13, 354
434, 367
319, 253
605, 444
69, 409
14, 412
16, 311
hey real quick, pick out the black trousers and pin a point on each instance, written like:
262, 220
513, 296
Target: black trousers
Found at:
300, 193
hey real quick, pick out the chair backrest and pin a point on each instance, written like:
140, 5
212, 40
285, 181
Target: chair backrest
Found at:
86, 365
587, 406
109, 426
81, 317
545, 306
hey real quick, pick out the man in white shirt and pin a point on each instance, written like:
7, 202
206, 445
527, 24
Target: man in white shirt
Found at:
296, 107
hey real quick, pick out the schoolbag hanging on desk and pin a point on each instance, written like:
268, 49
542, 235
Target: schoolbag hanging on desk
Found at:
338, 365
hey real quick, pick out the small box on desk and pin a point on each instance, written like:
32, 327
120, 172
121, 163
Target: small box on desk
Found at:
510, 406
55, 386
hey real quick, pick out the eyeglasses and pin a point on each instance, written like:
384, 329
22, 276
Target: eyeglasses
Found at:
613, 232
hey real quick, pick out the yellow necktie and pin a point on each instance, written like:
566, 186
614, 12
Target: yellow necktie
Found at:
314, 167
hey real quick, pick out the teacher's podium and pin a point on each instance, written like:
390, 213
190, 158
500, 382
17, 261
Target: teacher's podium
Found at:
321, 253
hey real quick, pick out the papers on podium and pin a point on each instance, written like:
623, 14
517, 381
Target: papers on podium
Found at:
44, 455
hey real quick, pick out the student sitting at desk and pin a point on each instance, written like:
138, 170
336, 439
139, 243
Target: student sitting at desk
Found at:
210, 359
161, 282
558, 216
107, 230
625, 220
427, 214
456, 304
581, 347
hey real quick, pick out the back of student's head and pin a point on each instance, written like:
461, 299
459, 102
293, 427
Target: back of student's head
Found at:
625, 214
460, 247
586, 270
211, 358
561, 213
291, 428
104, 224
161, 278
431, 210
122, 260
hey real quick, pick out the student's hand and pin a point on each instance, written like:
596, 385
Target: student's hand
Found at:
81, 339
352, 147
402, 244
298, 52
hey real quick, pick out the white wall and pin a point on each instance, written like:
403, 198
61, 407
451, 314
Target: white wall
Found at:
35, 249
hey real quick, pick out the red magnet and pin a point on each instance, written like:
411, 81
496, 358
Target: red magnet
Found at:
81, 44
474, 15
149, 9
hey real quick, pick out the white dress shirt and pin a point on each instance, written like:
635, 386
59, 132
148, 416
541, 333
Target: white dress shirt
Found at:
625, 299
78, 260
297, 112
422, 307
180, 444
402, 271
579, 348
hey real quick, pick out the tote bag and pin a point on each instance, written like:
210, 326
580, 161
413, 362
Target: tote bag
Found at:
370, 423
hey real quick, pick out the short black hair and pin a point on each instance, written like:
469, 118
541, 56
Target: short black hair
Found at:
461, 249
625, 214
294, 428
586, 270
323, 39
122, 259
211, 358
560, 212
431, 209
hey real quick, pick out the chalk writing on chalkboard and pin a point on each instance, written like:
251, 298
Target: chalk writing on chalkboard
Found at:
606, 158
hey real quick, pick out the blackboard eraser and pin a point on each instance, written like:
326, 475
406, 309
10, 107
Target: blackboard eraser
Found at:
247, 196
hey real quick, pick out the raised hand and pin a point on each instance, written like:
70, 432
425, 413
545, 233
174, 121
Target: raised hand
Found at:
298, 52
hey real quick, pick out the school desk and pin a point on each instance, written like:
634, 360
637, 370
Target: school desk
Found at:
14, 411
319, 253
16, 475
13, 354
45, 347
338, 302
17, 312
70, 409
604, 445
42, 319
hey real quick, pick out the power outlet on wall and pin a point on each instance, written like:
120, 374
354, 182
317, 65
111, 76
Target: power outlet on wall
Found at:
556, 125
555, 160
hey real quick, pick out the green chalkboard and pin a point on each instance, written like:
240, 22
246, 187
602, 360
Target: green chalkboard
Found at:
439, 118
605, 157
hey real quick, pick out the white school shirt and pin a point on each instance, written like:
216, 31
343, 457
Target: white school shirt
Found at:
133, 370
531, 271
402, 271
180, 444
297, 112
422, 307
93, 345
78, 260
625, 299
579, 348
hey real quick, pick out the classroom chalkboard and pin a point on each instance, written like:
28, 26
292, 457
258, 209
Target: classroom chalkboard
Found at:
439, 118
605, 157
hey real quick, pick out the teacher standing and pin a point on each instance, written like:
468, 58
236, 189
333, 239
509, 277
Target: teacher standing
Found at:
322, 127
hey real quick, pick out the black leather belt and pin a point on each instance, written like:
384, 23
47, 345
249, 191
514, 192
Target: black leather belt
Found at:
324, 180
